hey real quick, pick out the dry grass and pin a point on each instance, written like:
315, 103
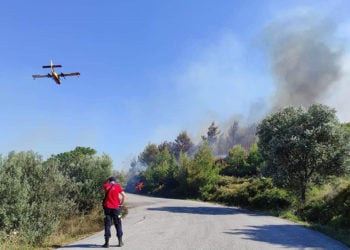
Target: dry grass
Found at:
77, 228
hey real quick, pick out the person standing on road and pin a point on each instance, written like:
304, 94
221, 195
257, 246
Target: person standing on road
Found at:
112, 210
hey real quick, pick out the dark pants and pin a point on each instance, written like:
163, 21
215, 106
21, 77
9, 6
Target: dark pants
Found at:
113, 214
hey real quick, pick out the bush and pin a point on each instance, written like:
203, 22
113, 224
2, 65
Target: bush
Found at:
318, 211
240, 197
253, 192
258, 185
36, 194
333, 211
272, 199
227, 190
33, 197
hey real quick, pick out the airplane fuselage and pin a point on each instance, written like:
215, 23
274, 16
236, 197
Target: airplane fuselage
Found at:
55, 76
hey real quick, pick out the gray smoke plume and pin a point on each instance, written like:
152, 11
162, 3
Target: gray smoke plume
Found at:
306, 63
303, 60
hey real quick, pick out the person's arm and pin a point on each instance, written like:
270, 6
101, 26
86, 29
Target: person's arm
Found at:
123, 198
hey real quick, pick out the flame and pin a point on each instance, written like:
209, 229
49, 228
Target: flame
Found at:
139, 186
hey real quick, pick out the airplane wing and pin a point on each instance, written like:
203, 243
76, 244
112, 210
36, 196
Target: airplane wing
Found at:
52, 66
41, 76
70, 74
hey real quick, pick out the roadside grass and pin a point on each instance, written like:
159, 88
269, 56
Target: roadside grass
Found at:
77, 228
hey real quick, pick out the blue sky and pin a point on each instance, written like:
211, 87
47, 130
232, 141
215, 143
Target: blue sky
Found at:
149, 69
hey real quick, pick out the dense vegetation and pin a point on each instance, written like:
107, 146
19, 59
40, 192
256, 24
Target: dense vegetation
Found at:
37, 195
295, 164
296, 151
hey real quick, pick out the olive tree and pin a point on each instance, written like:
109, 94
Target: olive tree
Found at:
301, 144
86, 172
33, 196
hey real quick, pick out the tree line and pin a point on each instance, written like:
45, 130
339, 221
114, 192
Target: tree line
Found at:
291, 150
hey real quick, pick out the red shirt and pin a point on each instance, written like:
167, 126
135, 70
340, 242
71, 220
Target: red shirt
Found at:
112, 200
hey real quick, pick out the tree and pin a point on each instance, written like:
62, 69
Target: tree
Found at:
182, 144
299, 145
32, 193
203, 173
254, 160
69, 160
86, 172
149, 154
165, 146
182, 173
227, 141
212, 134
237, 162
159, 175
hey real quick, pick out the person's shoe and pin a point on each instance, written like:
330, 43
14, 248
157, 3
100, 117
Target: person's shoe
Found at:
106, 245
121, 243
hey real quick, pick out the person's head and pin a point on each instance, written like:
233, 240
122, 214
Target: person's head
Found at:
112, 179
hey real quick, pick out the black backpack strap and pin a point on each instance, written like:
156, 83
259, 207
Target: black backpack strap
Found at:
106, 194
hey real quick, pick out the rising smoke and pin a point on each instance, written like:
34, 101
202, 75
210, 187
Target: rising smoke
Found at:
306, 65
303, 59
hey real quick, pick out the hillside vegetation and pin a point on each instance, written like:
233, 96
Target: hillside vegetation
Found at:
297, 167
294, 165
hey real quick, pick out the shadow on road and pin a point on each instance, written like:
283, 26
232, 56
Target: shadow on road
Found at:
83, 246
292, 236
198, 210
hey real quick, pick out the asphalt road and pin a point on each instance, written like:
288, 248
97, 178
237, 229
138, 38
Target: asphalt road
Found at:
157, 223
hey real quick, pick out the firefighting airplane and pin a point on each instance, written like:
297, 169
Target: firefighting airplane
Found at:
54, 75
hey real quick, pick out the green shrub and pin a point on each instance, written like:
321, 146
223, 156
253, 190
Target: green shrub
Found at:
252, 192
33, 197
36, 194
241, 198
272, 199
331, 210
340, 221
313, 210
258, 185
230, 190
